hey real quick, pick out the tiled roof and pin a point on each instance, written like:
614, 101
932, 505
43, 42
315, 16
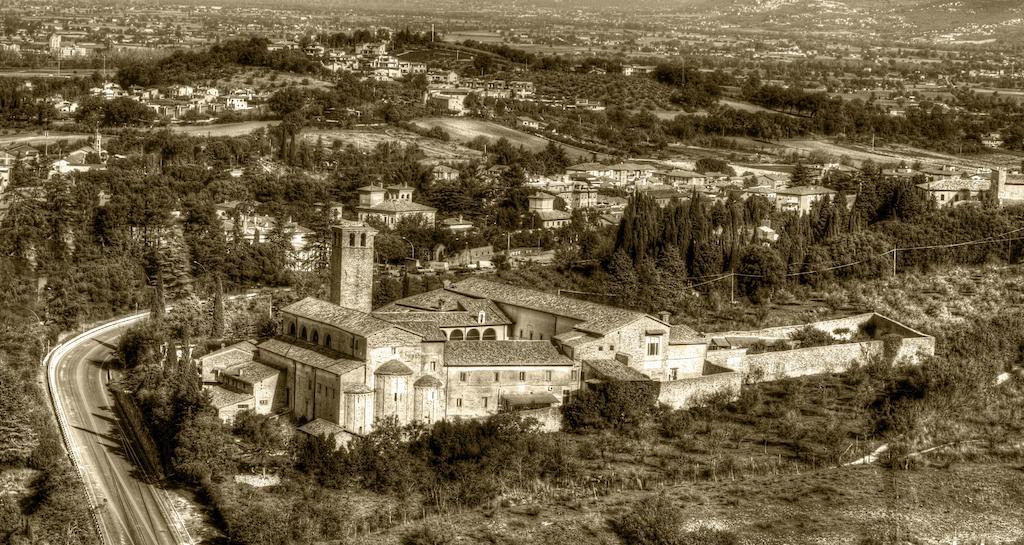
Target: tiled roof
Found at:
594, 318
221, 397
681, 334
550, 215
397, 205
588, 167
458, 318
321, 427
251, 372
958, 184
499, 353
393, 367
439, 299
226, 357
356, 388
311, 355
616, 370
337, 316
427, 381
805, 190
427, 330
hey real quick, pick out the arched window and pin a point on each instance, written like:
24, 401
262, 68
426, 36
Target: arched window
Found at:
327, 341
456, 335
362, 239
316, 336
351, 239
481, 317
473, 335
303, 333
489, 334
291, 329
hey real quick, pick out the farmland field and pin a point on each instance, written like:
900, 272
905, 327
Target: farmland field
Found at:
465, 130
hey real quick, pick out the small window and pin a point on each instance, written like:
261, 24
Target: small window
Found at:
600, 349
653, 346
675, 374
574, 375
522, 376
264, 402
611, 347
316, 336
497, 376
458, 402
462, 377
433, 366
291, 329
243, 406
362, 239
351, 239
481, 317
327, 341
547, 376
485, 402
303, 332
396, 396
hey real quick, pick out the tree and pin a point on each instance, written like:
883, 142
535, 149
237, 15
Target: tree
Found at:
801, 176
204, 449
761, 272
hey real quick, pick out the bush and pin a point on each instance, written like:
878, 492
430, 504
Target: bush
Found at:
614, 405
429, 534
653, 521
809, 336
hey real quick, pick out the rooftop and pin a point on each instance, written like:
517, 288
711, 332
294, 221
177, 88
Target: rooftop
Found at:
956, 184
805, 190
221, 397
398, 205
251, 372
616, 370
503, 353
311, 355
337, 316
594, 318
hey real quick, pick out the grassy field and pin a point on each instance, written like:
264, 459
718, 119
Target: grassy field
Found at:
368, 138
466, 129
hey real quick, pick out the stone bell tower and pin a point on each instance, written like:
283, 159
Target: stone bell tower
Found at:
351, 283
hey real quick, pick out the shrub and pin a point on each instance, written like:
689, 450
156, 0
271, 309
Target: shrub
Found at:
615, 405
810, 336
429, 534
653, 521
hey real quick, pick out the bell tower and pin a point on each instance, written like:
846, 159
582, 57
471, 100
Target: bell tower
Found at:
351, 283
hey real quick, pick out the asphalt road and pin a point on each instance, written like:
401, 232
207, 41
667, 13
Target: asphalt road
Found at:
131, 510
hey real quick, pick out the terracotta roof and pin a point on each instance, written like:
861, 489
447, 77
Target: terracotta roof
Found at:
311, 355
458, 318
427, 330
681, 334
594, 318
397, 205
616, 370
550, 215
221, 397
427, 381
337, 316
958, 184
393, 367
805, 190
225, 357
251, 372
321, 427
356, 388
503, 353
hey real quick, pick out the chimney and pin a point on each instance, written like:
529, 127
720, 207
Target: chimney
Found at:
665, 316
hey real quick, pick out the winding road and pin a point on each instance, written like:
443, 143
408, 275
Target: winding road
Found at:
129, 508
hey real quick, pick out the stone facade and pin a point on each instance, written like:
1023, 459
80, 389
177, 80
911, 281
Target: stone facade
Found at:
351, 280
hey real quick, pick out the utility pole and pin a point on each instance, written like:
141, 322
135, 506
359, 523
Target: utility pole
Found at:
894, 251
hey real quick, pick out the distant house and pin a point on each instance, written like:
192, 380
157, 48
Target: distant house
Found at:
444, 173
392, 205
593, 170
681, 178
453, 100
956, 192
528, 123
799, 199
543, 204
661, 194
457, 225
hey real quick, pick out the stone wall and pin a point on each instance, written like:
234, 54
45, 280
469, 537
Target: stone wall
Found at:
834, 358
849, 324
686, 392
550, 418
